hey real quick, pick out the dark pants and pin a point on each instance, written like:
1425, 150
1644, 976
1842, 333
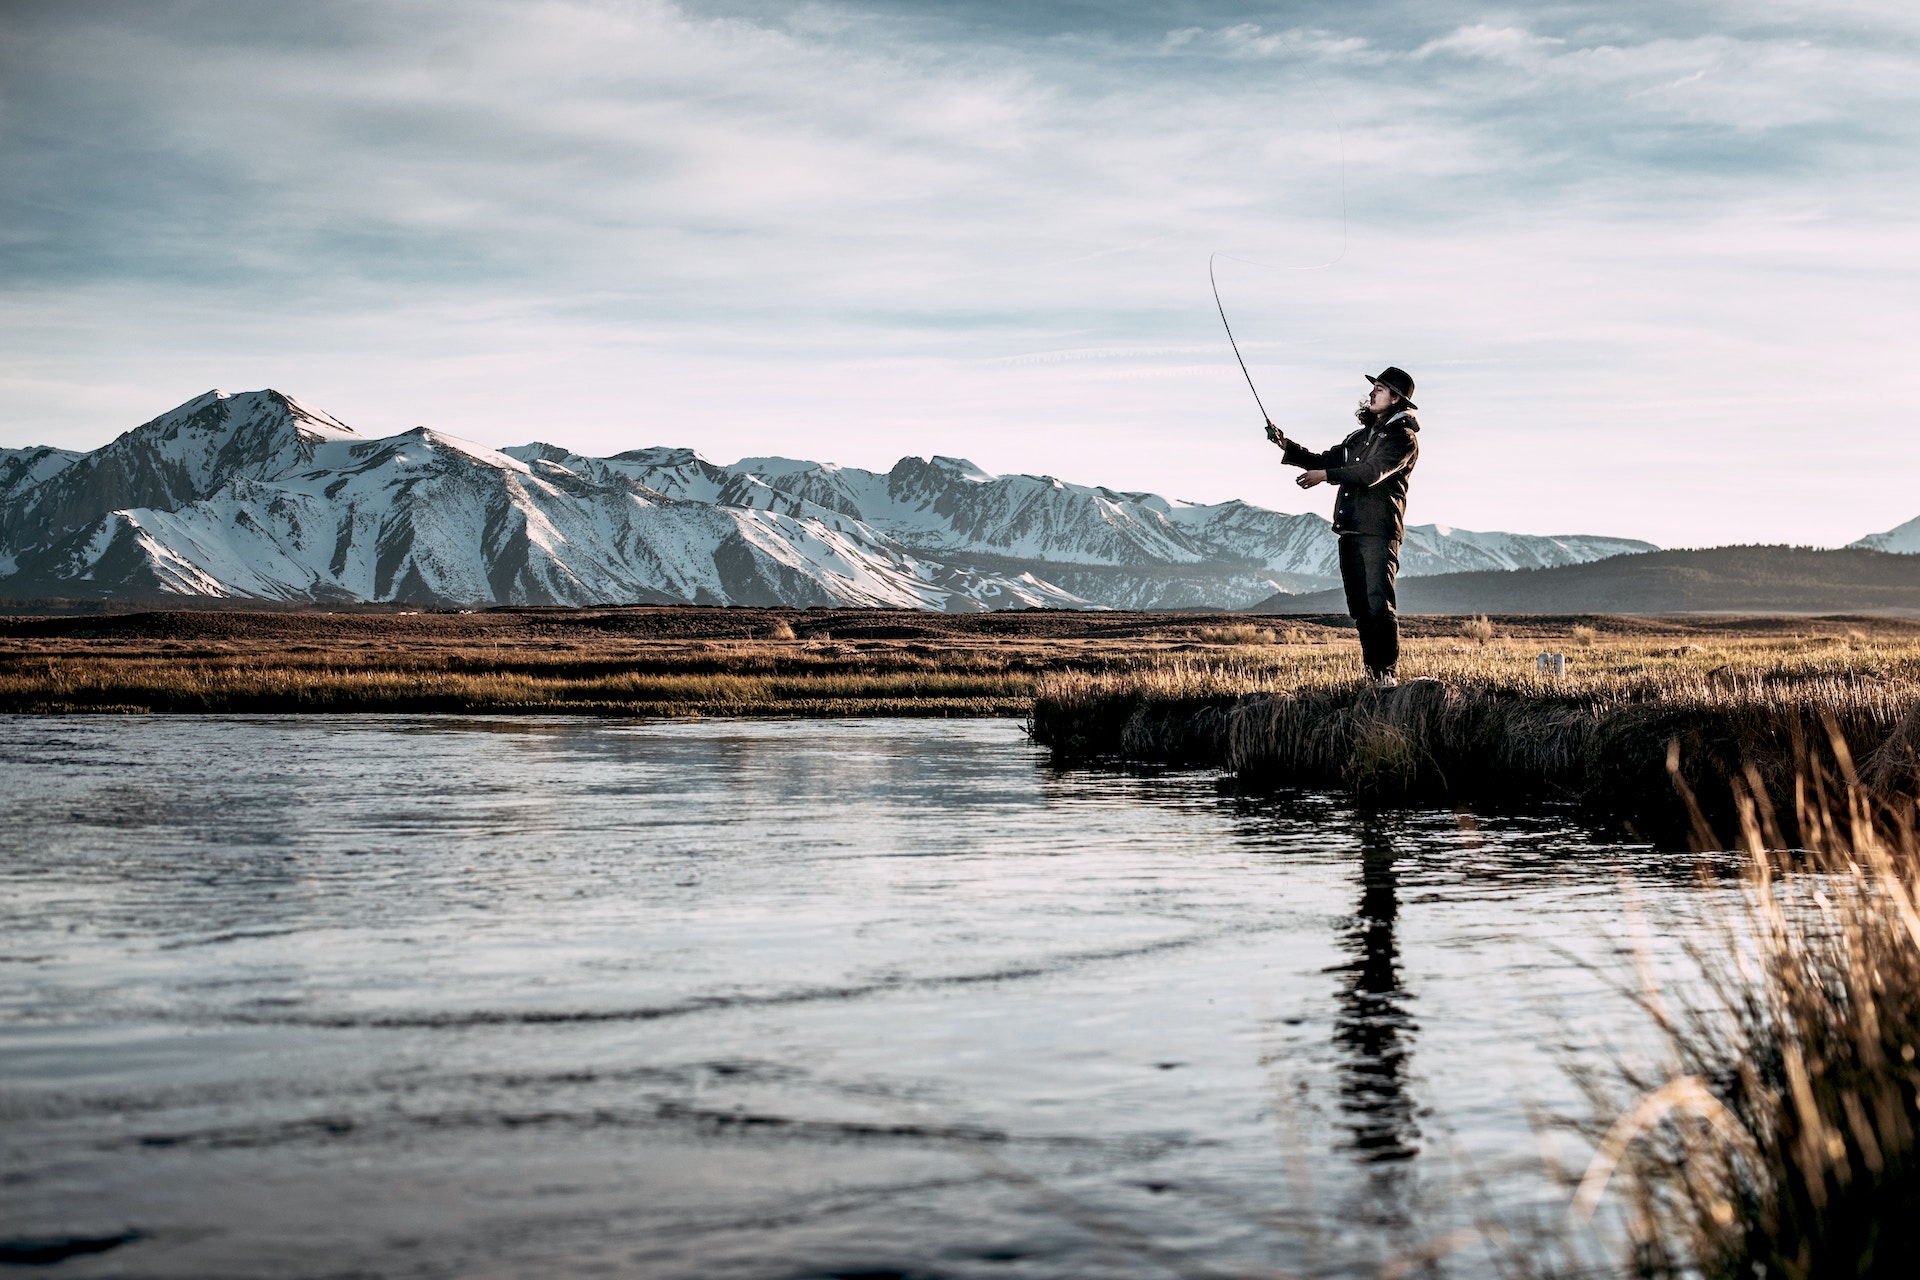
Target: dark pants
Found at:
1368, 566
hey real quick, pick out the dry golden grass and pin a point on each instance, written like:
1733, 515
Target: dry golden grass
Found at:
1240, 633
1781, 1136
646, 662
699, 678
1623, 668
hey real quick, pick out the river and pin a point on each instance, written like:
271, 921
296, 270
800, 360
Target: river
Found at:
429, 996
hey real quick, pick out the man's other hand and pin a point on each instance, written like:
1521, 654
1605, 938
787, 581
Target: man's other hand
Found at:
1308, 479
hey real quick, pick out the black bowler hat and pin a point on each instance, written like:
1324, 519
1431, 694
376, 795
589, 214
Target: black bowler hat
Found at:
1398, 381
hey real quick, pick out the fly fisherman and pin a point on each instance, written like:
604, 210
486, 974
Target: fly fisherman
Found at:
1371, 467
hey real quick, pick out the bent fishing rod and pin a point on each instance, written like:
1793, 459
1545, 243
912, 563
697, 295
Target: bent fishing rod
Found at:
1221, 308
1274, 433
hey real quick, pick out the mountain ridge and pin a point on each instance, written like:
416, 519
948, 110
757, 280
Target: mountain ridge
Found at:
257, 495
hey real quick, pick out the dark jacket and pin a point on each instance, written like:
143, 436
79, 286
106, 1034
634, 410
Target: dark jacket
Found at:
1371, 467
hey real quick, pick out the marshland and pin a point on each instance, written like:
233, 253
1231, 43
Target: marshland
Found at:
574, 937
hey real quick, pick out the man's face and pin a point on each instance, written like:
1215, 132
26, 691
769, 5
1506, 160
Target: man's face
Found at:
1380, 400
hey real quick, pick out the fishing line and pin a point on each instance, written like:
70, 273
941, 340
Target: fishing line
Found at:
1265, 417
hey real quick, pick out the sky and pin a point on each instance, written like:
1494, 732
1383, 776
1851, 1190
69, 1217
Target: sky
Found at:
1654, 266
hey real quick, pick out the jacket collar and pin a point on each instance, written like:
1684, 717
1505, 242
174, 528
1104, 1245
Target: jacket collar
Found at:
1412, 424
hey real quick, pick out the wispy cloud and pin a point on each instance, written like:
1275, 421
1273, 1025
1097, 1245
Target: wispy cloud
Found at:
1636, 254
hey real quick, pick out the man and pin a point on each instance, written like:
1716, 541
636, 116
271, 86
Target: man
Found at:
1371, 466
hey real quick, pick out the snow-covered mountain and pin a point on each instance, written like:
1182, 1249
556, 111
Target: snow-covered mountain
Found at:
1903, 538
21, 469
257, 495
1085, 537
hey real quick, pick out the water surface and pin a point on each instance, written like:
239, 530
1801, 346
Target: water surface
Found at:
535, 997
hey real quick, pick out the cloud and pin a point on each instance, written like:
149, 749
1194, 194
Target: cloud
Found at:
868, 230
1248, 39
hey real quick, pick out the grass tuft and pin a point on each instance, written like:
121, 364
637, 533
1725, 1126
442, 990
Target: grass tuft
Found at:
1238, 633
1781, 1138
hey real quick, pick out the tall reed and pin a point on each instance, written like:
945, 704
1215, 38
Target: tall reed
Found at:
1782, 1139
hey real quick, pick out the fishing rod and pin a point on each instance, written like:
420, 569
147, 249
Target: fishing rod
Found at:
1221, 307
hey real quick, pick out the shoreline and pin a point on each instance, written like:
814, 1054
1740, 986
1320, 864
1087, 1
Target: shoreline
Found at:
1275, 701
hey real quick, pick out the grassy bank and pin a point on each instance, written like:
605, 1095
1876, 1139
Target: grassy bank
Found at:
1473, 723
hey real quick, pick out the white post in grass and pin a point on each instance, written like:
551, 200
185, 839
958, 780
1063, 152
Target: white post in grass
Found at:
1551, 664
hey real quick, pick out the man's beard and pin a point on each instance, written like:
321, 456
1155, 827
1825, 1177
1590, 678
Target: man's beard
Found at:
1368, 416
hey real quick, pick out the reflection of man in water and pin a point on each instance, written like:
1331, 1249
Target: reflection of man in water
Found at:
1372, 1024
1371, 466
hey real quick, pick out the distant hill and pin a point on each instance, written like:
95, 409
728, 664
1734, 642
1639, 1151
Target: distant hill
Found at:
1749, 579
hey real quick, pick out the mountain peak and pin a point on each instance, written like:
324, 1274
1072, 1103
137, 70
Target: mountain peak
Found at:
664, 456
538, 451
961, 469
186, 454
309, 418
777, 466
936, 470
264, 410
